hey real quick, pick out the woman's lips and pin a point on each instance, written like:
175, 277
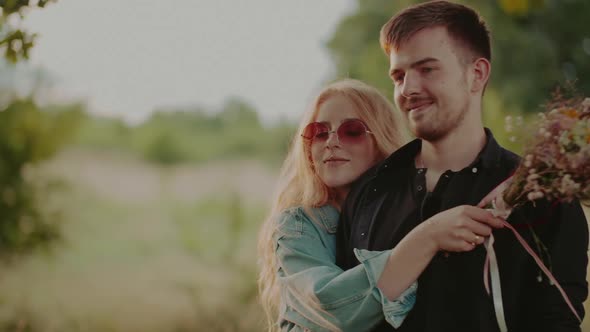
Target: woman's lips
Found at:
335, 160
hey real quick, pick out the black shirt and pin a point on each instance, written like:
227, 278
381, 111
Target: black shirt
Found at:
391, 199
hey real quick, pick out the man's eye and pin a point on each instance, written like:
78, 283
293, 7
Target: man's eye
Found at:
398, 79
427, 70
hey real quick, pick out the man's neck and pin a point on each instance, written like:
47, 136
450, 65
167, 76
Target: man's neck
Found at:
454, 152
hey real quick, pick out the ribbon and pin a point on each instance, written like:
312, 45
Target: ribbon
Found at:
491, 270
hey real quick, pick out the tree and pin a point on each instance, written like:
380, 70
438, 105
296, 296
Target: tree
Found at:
15, 42
29, 134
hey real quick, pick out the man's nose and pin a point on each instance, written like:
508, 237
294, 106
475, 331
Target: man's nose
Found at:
411, 85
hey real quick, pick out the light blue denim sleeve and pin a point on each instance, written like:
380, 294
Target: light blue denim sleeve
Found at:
350, 299
394, 311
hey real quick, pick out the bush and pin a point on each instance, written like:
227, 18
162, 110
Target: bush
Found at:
164, 150
27, 137
191, 136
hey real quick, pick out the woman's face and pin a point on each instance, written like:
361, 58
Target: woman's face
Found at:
340, 160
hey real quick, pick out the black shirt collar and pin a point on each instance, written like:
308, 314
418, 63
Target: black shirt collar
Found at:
489, 157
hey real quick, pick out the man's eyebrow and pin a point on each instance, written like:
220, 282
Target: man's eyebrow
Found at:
414, 65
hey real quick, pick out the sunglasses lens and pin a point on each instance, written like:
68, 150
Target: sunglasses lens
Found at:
352, 131
316, 131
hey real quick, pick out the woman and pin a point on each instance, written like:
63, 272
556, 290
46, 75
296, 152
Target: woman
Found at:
350, 128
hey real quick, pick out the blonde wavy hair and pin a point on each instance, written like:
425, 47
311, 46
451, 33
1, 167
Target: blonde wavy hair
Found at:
300, 186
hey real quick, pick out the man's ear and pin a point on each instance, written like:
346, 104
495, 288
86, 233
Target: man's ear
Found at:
481, 68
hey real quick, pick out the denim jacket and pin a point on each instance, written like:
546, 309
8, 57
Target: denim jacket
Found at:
306, 252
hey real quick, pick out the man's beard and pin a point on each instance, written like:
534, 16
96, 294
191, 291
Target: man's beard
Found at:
439, 126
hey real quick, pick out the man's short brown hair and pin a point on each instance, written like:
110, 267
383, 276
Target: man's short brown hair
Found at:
463, 24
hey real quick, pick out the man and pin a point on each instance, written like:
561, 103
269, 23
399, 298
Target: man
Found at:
440, 62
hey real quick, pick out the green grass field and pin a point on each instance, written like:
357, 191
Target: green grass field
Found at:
145, 249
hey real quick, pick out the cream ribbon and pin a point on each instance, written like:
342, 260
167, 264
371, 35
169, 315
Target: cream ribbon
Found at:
500, 209
496, 288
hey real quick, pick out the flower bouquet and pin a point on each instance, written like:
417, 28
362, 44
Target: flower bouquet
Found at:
555, 167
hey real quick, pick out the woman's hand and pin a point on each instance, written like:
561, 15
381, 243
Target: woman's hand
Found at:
460, 228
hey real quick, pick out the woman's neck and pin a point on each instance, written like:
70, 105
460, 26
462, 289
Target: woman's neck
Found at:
339, 196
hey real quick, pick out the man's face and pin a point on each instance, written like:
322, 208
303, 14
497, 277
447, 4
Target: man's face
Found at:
430, 83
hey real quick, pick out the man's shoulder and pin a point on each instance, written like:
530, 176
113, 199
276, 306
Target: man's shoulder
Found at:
380, 179
509, 157
389, 166
508, 161
401, 156
499, 156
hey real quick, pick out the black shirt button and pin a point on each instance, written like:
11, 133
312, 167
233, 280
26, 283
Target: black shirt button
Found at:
419, 188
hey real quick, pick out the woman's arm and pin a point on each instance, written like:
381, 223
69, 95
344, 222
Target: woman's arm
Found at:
457, 229
349, 299
358, 298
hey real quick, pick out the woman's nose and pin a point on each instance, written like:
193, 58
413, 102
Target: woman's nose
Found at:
332, 139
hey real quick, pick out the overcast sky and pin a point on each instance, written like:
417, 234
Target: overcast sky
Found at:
127, 58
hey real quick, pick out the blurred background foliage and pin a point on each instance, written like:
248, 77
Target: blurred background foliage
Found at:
28, 136
14, 41
157, 220
196, 135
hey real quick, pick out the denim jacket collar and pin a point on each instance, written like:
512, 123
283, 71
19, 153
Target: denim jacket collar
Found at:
327, 216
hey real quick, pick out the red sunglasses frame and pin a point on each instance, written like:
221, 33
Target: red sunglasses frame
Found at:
342, 135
